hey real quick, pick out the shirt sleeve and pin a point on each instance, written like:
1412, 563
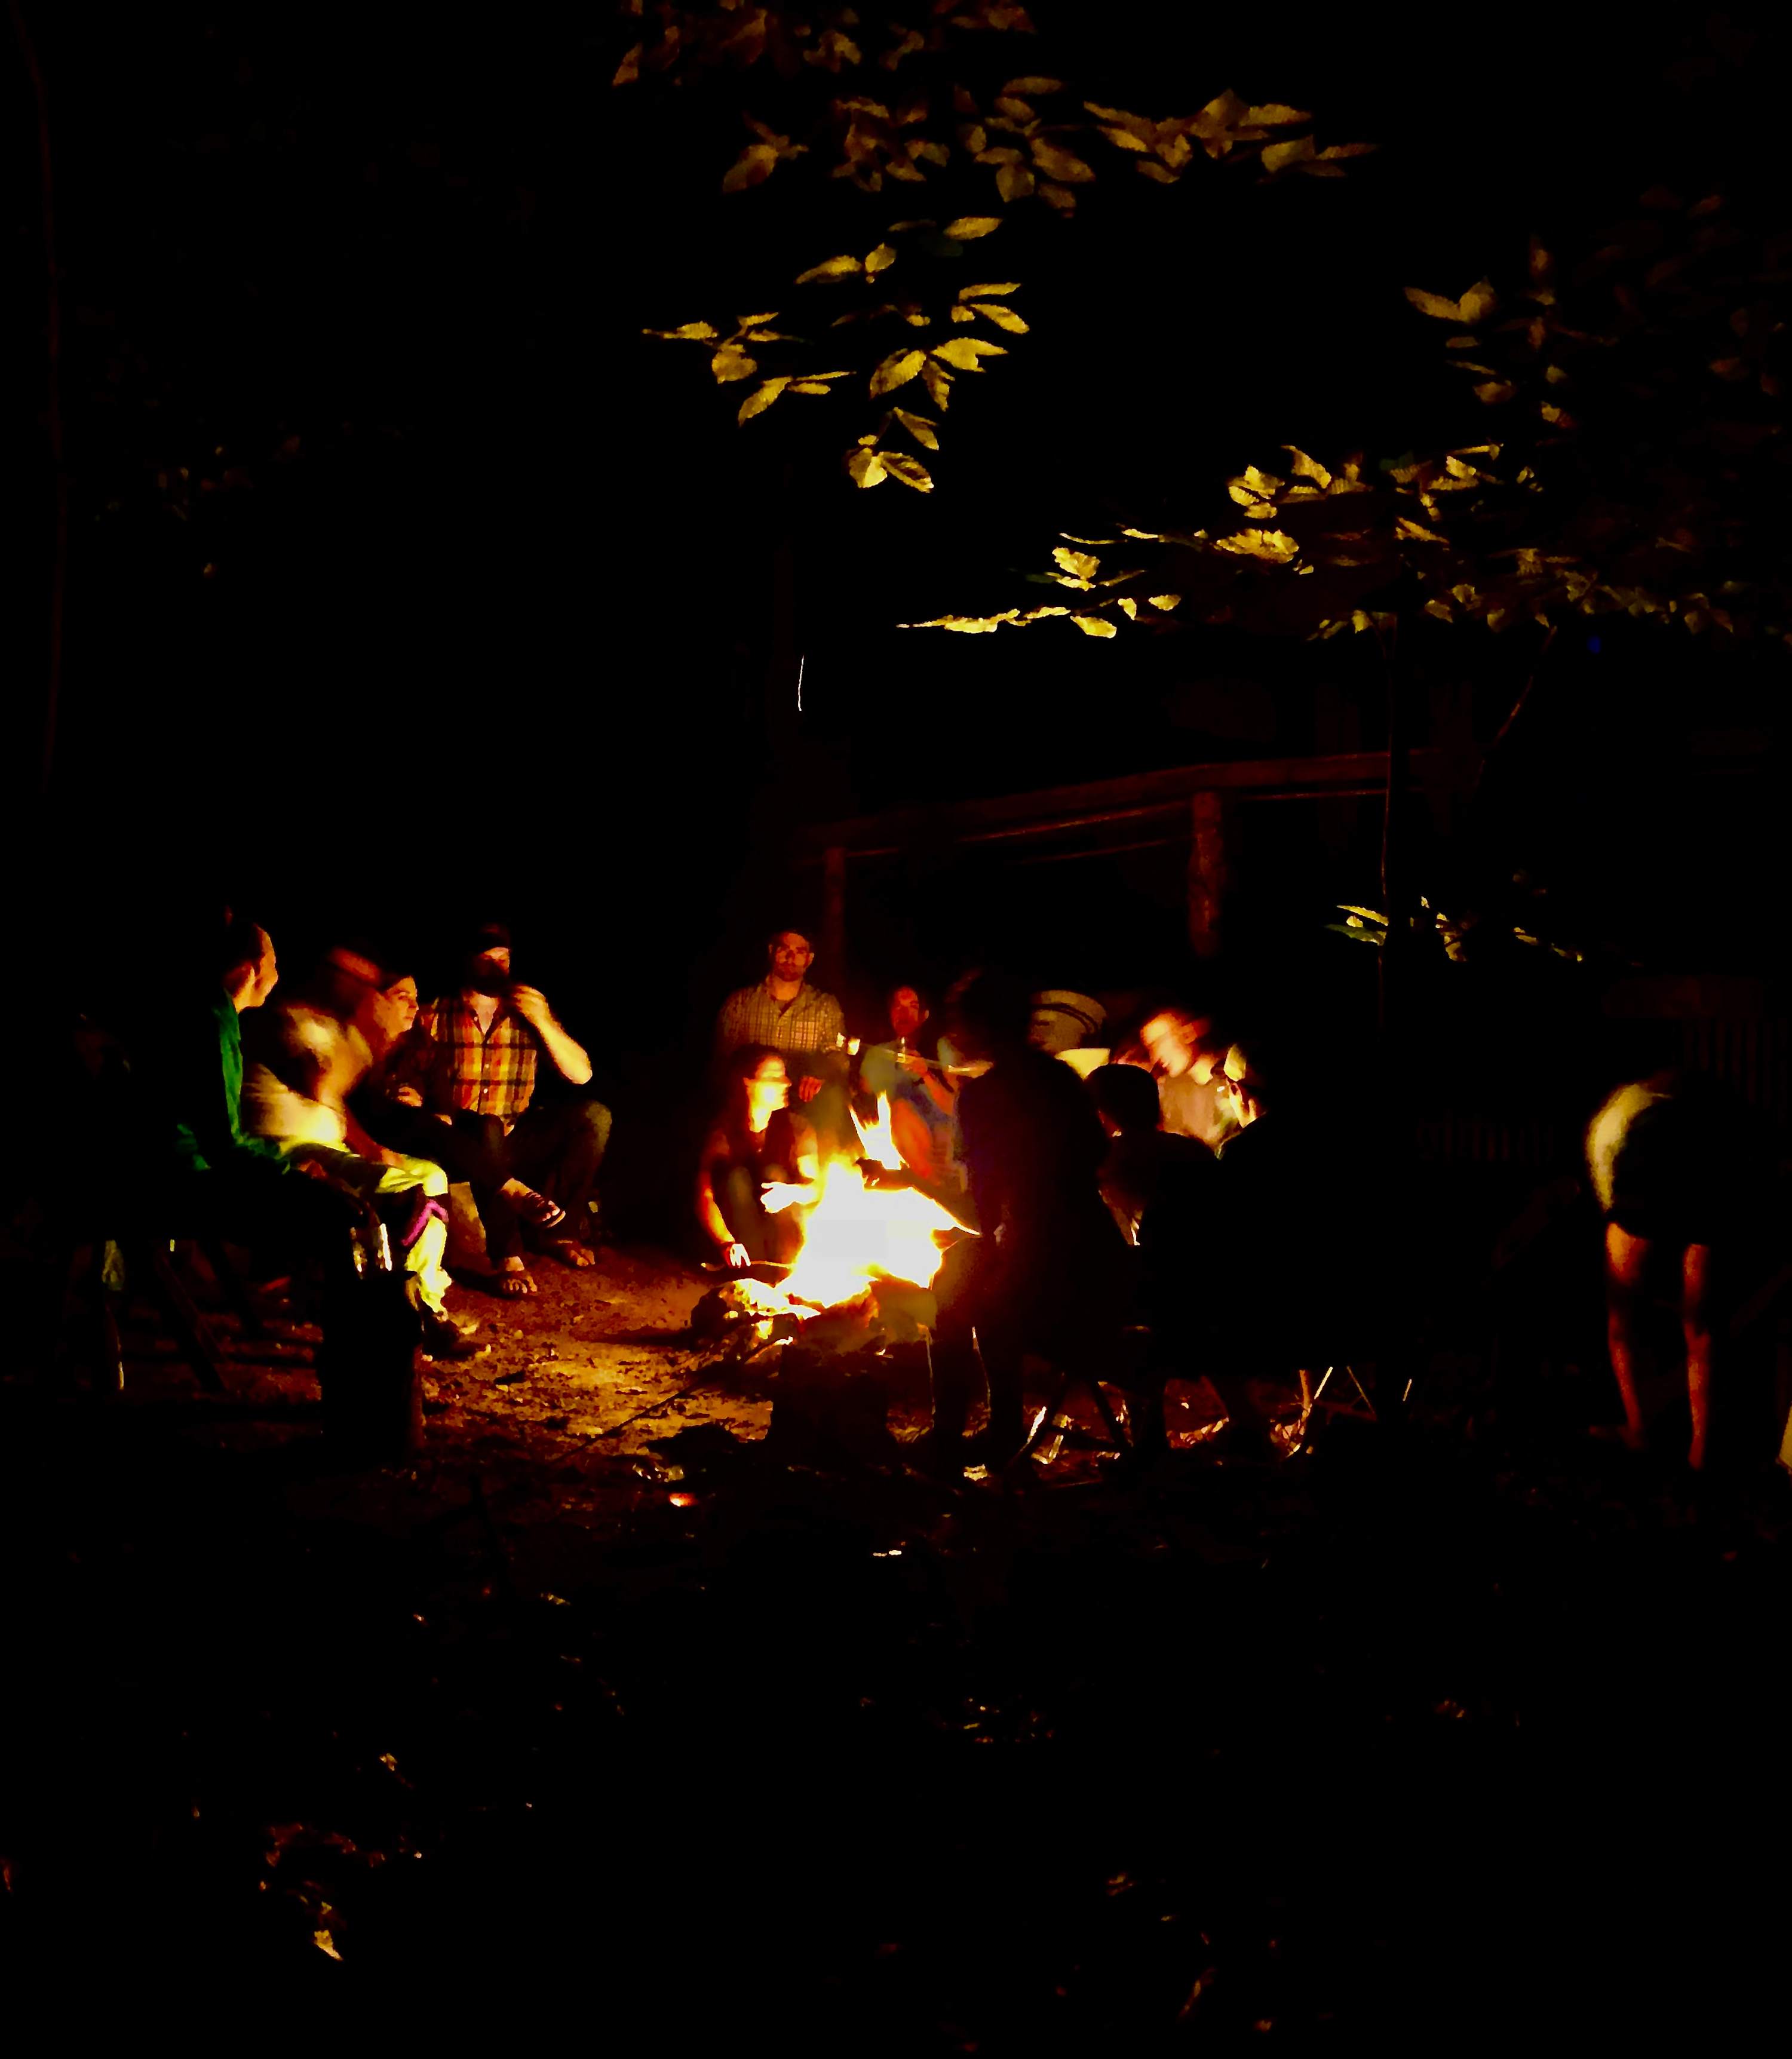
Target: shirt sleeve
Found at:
728, 1037
218, 1124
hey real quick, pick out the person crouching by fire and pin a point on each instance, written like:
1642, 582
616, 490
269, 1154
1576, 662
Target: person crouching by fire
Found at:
760, 1170
1048, 1273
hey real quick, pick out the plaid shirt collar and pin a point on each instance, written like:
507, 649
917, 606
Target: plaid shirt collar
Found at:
809, 1021
491, 1072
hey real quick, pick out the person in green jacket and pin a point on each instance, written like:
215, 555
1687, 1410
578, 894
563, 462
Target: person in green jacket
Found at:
224, 1180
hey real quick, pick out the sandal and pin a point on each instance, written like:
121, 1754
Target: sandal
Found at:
539, 1211
513, 1286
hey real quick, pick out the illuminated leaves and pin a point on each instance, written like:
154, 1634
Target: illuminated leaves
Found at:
1081, 566
869, 465
1271, 546
1479, 302
1278, 157
846, 267
833, 269
768, 390
758, 161
910, 471
844, 119
897, 370
1063, 166
963, 352
761, 398
918, 427
1255, 492
1569, 513
972, 302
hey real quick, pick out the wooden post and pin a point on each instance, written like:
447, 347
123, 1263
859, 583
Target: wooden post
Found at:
833, 915
1207, 872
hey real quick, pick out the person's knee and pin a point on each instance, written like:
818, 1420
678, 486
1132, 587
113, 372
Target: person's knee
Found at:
422, 1172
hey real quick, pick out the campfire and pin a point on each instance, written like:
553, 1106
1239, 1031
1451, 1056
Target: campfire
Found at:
858, 1233
859, 1237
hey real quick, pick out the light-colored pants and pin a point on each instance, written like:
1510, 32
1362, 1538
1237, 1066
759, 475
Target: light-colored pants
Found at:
368, 1178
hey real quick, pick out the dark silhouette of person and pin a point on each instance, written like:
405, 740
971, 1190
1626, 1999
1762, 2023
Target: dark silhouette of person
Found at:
1047, 1273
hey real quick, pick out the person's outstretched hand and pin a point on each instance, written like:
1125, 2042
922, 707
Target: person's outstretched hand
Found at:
735, 1257
808, 1087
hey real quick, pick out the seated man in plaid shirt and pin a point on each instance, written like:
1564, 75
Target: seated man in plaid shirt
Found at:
786, 1014
471, 1063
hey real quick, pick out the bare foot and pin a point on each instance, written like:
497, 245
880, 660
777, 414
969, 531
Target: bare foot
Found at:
515, 1281
569, 1251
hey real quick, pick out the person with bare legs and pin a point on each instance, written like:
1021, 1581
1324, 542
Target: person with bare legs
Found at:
1667, 1175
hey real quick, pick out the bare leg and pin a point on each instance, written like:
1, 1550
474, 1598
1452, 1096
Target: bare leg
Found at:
1626, 1258
1695, 1325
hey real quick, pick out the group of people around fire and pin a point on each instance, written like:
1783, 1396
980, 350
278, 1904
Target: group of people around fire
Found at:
1116, 1207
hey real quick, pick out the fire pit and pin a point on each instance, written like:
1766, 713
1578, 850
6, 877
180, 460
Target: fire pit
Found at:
863, 1278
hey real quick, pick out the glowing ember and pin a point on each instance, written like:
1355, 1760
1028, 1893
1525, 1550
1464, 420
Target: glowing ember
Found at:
856, 1234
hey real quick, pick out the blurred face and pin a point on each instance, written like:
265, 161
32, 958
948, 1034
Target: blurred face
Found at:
1052, 1029
265, 977
489, 972
1235, 1102
906, 1014
767, 1090
790, 956
1173, 1041
401, 1000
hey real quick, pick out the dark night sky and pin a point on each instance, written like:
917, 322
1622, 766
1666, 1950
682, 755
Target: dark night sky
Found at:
495, 629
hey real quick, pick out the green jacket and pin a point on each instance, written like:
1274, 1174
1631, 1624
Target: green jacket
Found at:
208, 1103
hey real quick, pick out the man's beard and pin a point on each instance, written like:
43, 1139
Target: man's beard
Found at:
486, 979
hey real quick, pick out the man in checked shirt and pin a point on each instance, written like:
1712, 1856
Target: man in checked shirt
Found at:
471, 1063
786, 1014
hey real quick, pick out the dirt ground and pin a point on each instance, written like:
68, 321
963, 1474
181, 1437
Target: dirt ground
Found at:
603, 1711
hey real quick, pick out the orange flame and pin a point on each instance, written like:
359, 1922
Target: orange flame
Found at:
857, 1234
